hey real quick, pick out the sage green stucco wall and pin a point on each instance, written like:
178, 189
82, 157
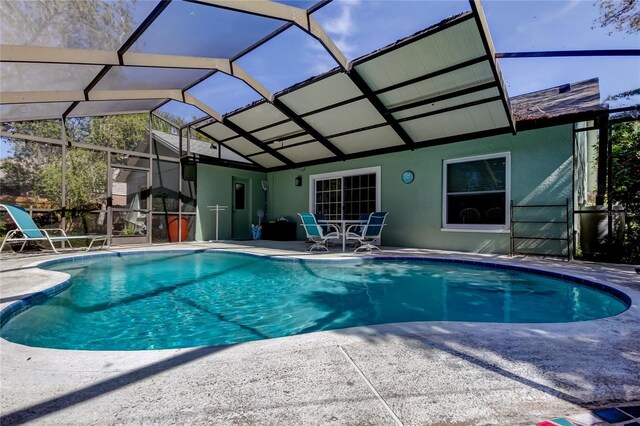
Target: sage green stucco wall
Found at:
215, 187
541, 173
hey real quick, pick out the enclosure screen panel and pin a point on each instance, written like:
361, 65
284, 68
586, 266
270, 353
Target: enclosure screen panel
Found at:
38, 111
459, 122
148, 78
347, 117
285, 60
19, 77
275, 133
224, 93
443, 49
306, 152
192, 29
367, 140
85, 109
218, 131
324, 92
22, 23
440, 85
243, 146
179, 113
433, 108
267, 160
258, 116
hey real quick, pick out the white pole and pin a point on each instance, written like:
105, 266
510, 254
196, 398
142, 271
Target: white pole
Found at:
217, 239
217, 208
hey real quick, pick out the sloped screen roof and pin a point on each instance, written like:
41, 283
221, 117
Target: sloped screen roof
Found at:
439, 85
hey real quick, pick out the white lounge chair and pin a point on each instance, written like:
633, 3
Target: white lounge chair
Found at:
29, 231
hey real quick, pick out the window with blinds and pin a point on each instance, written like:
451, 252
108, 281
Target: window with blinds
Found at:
476, 192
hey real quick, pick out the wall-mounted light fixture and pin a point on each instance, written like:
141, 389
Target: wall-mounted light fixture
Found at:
298, 181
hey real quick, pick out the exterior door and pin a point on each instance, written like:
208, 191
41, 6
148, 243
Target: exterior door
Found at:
240, 210
129, 205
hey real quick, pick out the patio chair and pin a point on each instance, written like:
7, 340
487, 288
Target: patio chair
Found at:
369, 232
315, 232
29, 231
470, 215
357, 228
321, 216
494, 215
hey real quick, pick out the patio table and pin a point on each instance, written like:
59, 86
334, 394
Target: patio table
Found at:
342, 225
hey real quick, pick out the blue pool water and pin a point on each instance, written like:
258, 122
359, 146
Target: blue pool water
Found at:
187, 299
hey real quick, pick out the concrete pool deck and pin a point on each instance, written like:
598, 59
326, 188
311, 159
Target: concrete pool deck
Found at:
407, 373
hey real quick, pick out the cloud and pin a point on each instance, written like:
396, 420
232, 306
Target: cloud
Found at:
554, 14
341, 27
560, 13
343, 23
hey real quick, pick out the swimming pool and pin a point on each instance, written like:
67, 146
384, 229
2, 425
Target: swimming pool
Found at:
202, 298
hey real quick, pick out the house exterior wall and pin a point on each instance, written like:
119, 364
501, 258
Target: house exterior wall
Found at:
541, 173
215, 187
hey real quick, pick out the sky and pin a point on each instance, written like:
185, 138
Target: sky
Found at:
361, 26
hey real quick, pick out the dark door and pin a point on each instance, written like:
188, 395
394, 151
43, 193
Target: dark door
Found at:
240, 217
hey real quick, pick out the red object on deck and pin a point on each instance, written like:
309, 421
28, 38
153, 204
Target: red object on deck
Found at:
172, 225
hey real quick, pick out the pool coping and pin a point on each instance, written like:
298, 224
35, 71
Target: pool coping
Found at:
13, 309
364, 367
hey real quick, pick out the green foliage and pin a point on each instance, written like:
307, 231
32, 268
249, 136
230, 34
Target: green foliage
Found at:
23, 168
631, 244
115, 131
623, 15
44, 128
625, 149
624, 95
86, 178
625, 141
82, 24
36, 169
162, 124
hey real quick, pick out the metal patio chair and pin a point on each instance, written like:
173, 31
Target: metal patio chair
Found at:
315, 232
369, 232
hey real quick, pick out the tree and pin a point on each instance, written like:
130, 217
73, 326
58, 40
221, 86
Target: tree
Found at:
625, 169
80, 24
35, 169
85, 179
116, 131
623, 15
625, 150
22, 166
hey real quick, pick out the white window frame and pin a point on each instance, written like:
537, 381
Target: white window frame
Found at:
507, 196
345, 173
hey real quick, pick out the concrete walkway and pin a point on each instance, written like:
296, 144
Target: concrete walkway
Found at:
410, 373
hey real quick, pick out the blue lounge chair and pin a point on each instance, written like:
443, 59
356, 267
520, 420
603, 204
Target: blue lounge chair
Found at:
315, 233
29, 231
366, 234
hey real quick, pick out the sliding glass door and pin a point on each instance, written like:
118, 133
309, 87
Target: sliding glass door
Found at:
346, 195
